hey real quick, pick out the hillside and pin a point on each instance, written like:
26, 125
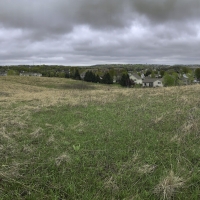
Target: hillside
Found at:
66, 139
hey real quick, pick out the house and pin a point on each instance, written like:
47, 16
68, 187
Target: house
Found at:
135, 77
152, 82
82, 75
3, 73
142, 76
30, 74
185, 79
116, 79
195, 81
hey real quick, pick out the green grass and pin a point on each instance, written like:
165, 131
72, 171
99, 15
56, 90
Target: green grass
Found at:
122, 149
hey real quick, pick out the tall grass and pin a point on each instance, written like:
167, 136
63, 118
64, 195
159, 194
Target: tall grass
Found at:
60, 139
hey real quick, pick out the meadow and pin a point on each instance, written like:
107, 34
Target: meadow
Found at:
67, 139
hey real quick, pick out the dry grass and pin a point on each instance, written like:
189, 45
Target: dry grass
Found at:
111, 185
38, 96
168, 186
10, 171
146, 169
37, 133
22, 96
64, 158
29, 89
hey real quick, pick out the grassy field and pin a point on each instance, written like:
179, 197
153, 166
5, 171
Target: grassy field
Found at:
65, 139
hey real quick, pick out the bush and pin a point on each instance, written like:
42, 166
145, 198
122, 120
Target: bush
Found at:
12, 73
168, 80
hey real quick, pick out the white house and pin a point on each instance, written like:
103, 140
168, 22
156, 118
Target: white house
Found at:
142, 76
3, 73
136, 78
152, 82
82, 75
30, 74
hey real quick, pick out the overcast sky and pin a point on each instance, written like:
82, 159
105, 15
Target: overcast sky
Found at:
88, 32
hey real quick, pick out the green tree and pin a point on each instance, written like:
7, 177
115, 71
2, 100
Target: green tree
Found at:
61, 75
97, 79
52, 74
90, 77
112, 72
153, 74
77, 75
107, 79
168, 80
186, 70
71, 72
125, 80
67, 75
175, 76
148, 72
12, 73
162, 72
190, 78
197, 73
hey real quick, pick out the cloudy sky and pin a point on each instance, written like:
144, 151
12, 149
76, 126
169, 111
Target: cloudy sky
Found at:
87, 32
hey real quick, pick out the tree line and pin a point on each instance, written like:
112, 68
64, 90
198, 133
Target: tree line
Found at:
171, 75
107, 78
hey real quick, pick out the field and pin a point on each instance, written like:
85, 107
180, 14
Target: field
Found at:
66, 139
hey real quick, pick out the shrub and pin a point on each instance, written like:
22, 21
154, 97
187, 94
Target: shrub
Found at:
168, 80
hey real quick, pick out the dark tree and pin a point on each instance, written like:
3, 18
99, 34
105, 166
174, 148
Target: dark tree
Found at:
90, 77
148, 72
107, 79
125, 81
186, 70
162, 72
87, 76
77, 75
67, 75
197, 73
97, 79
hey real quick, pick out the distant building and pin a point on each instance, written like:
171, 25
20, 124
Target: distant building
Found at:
136, 78
185, 79
142, 76
30, 74
3, 73
82, 75
152, 82
116, 79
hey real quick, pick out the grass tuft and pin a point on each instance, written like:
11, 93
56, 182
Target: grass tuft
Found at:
64, 158
168, 186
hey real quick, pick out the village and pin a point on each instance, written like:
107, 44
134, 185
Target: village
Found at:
128, 76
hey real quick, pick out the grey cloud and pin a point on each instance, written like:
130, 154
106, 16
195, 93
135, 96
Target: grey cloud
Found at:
60, 16
98, 13
86, 31
164, 10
